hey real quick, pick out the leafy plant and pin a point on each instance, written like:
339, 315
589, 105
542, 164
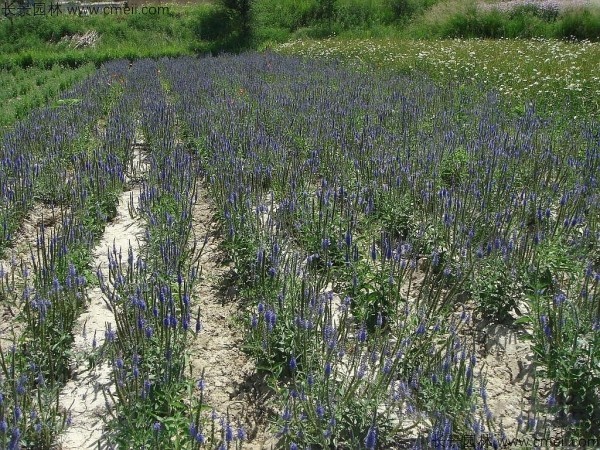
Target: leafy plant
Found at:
495, 288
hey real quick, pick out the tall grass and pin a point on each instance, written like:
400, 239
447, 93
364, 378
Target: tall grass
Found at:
467, 19
212, 27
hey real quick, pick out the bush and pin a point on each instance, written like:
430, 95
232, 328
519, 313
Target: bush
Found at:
401, 8
405, 9
362, 13
579, 24
544, 12
214, 24
467, 20
283, 14
242, 10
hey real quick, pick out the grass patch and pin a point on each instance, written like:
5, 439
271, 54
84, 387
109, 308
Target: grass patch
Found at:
43, 41
555, 75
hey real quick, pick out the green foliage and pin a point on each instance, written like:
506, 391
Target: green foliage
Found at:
554, 261
579, 24
359, 14
526, 21
18, 377
23, 90
566, 344
239, 24
163, 404
374, 297
325, 11
403, 11
401, 8
36, 40
454, 167
545, 13
288, 15
494, 288
98, 211
214, 24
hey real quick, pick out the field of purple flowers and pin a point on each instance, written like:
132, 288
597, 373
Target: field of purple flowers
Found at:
411, 264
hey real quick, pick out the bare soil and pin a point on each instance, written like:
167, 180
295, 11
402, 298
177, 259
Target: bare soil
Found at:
84, 396
233, 388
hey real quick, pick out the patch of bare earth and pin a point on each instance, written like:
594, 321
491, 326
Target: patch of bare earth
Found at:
507, 360
233, 388
85, 395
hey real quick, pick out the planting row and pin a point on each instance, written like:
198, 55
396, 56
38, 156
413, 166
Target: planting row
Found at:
377, 223
380, 227
65, 158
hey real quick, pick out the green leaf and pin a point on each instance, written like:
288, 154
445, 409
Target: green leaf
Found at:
523, 320
66, 102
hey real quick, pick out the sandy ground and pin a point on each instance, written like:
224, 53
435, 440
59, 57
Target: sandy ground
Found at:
83, 396
232, 387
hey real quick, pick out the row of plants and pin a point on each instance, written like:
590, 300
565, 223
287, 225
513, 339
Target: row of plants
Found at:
367, 247
157, 402
39, 165
86, 174
150, 293
154, 402
367, 244
25, 90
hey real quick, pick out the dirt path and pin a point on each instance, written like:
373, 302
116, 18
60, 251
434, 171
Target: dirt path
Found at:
507, 360
232, 386
83, 396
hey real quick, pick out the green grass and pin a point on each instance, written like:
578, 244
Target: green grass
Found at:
559, 76
43, 41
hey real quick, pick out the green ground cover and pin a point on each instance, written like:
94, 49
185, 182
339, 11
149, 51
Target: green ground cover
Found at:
559, 77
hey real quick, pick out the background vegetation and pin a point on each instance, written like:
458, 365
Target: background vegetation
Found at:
404, 34
44, 41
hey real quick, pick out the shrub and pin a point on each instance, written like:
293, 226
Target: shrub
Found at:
362, 14
579, 24
214, 24
283, 14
